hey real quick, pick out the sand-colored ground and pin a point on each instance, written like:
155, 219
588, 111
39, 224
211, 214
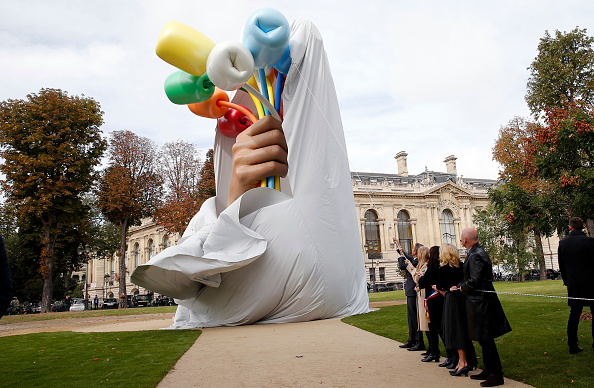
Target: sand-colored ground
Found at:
327, 353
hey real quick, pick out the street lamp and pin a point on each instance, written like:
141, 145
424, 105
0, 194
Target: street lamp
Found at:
86, 253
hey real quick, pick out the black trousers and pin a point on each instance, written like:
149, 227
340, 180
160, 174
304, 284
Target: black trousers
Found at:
414, 335
572, 325
491, 357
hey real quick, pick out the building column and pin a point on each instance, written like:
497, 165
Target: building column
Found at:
457, 229
414, 230
436, 224
430, 226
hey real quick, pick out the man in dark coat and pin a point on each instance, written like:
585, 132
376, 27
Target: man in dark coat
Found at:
576, 262
486, 319
415, 337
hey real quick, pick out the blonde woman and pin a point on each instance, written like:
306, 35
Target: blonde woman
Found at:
455, 325
416, 273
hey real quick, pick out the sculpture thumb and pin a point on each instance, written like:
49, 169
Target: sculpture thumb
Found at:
184, 48
230, 65
266, 35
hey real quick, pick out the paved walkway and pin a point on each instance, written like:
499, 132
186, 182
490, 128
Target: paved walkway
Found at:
326, 353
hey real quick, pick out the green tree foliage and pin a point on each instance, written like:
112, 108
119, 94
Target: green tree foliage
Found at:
129, 188
562, 72
50, 144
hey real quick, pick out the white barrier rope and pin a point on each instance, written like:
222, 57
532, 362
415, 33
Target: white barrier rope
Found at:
542, 296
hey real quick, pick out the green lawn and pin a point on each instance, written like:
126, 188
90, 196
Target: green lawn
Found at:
67, 359
386, 296
535, 352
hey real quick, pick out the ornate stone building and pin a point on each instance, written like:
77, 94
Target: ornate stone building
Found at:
430, 208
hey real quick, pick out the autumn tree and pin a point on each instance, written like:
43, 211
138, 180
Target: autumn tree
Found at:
562, 72
179, 167
129, 187
531, 203
564, 147
50, 143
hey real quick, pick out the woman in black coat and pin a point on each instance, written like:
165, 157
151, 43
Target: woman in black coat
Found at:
434, 301
455, 324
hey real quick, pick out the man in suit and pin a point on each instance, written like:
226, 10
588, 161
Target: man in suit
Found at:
576, 262
486, 319
415, 337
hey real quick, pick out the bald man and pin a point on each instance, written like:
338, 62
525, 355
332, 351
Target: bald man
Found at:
486, 319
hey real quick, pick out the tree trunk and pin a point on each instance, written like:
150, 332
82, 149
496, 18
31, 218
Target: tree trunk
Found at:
123, 231
47, 265
541, 258
590, 227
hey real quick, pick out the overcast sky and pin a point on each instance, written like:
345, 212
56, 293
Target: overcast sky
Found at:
432, 78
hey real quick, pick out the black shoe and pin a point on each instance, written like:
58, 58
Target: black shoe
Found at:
446, 362
492, 381
571, 350
431, 357
484, 375
461, 371
408, 344
453, 364
417, 347
425, 353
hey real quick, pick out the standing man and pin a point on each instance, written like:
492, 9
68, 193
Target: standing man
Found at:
576, 262
486, 319
415, 337
96, 302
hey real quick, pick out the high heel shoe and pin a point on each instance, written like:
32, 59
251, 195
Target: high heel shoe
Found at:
462, 371
430, 358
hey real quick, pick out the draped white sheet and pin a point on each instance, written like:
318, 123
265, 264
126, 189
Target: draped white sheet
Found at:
274, 257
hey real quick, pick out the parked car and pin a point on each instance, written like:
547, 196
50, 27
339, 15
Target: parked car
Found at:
142, 300
78, 305
163, 300
58, 306
533, 274
553, 274
110, 303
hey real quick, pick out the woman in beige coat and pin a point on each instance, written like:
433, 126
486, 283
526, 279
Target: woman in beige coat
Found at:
416, 273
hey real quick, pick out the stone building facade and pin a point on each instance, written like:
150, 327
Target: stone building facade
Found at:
431, 208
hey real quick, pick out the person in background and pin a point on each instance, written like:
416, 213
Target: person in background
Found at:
415, 337
6, 290
96, 302
416, 273
576, 262
455, 324
485, 316
434, 302
122, 300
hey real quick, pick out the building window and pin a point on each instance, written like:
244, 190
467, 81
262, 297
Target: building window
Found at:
448, 232
372, 275
404, 231
382, 273
136, 255
372, 235
151, 248
165, 242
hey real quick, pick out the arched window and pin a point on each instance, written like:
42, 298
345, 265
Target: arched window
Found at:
448, 233
165, 242
151, 248
372, 235
136, 255
404, 231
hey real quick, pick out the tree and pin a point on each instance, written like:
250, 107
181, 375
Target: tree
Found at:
50, 143
562, 72
179, 168
129, 188
564, 156
537, 208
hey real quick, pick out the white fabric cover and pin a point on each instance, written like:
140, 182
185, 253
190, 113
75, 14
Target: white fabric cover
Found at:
274, 257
